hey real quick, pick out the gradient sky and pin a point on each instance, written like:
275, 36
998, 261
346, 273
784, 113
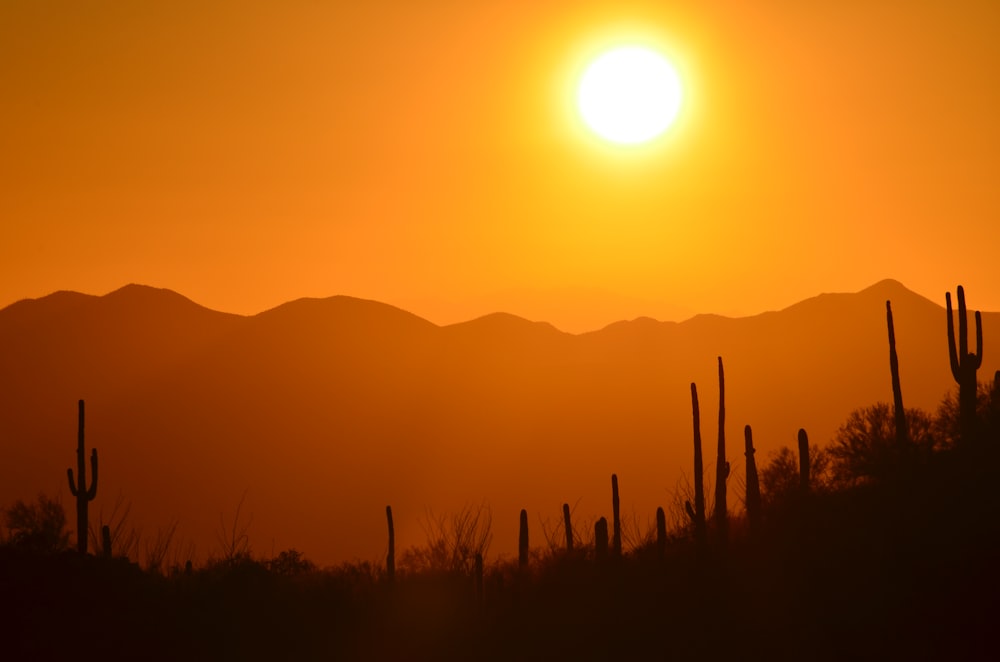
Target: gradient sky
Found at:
428, 154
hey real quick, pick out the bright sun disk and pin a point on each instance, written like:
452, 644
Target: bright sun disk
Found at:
629, 95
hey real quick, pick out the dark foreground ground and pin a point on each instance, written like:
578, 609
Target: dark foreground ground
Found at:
909, 569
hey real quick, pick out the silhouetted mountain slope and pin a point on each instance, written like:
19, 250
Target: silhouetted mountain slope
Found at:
325, 410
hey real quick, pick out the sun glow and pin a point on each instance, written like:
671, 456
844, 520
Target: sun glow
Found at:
629, 95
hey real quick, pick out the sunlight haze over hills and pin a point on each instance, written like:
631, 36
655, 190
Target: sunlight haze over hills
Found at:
429, 155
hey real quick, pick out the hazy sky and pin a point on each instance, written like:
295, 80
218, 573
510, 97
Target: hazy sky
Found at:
428, 154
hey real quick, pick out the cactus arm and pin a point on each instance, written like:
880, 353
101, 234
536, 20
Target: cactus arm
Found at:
72, 485
963, 326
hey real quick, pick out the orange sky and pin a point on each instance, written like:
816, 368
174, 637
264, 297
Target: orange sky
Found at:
427, 154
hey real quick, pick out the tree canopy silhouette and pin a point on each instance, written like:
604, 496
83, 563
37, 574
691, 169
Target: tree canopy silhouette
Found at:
39, 526
866, 447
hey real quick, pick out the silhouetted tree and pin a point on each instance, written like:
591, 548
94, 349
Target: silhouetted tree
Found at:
452, 543
39, 526
290, 562
947, 423
864, 448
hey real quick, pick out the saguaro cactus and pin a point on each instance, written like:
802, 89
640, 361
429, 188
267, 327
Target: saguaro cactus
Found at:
964, 364
479, 579
753, 483
803, 461
616, 536
568, 526
106, 541
697, 513
902, 430
721, 465
661, 532
601, 539
83, 494
522, 541
390, 557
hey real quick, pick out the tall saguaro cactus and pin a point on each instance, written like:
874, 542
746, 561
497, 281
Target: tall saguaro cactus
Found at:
697, 513
601, 539
390, 557
803, 461
753, 482
661, 532
721, 465
84, 495
568, 526
616, 522
522, 541
902, 430
964, 364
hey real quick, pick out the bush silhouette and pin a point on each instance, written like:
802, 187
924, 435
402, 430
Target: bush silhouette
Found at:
865, 447
780, 479
38, 526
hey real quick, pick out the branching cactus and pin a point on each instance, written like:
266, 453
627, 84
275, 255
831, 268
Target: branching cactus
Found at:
899, 413
803, 461
522, 542
753, 482
697, 513
616, 536
390, 557
568, 526
721, 465
84, 495
964, 364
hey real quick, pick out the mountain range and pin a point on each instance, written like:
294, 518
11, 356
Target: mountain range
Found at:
320, 412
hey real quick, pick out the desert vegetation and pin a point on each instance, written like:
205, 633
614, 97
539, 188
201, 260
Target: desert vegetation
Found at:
879, 542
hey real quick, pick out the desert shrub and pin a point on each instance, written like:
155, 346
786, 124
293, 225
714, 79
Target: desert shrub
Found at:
39, 526
864, 448
779, 477
452, 542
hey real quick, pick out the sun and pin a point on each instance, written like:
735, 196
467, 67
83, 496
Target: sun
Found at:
629, 95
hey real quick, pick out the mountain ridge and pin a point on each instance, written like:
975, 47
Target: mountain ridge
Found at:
326, 410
